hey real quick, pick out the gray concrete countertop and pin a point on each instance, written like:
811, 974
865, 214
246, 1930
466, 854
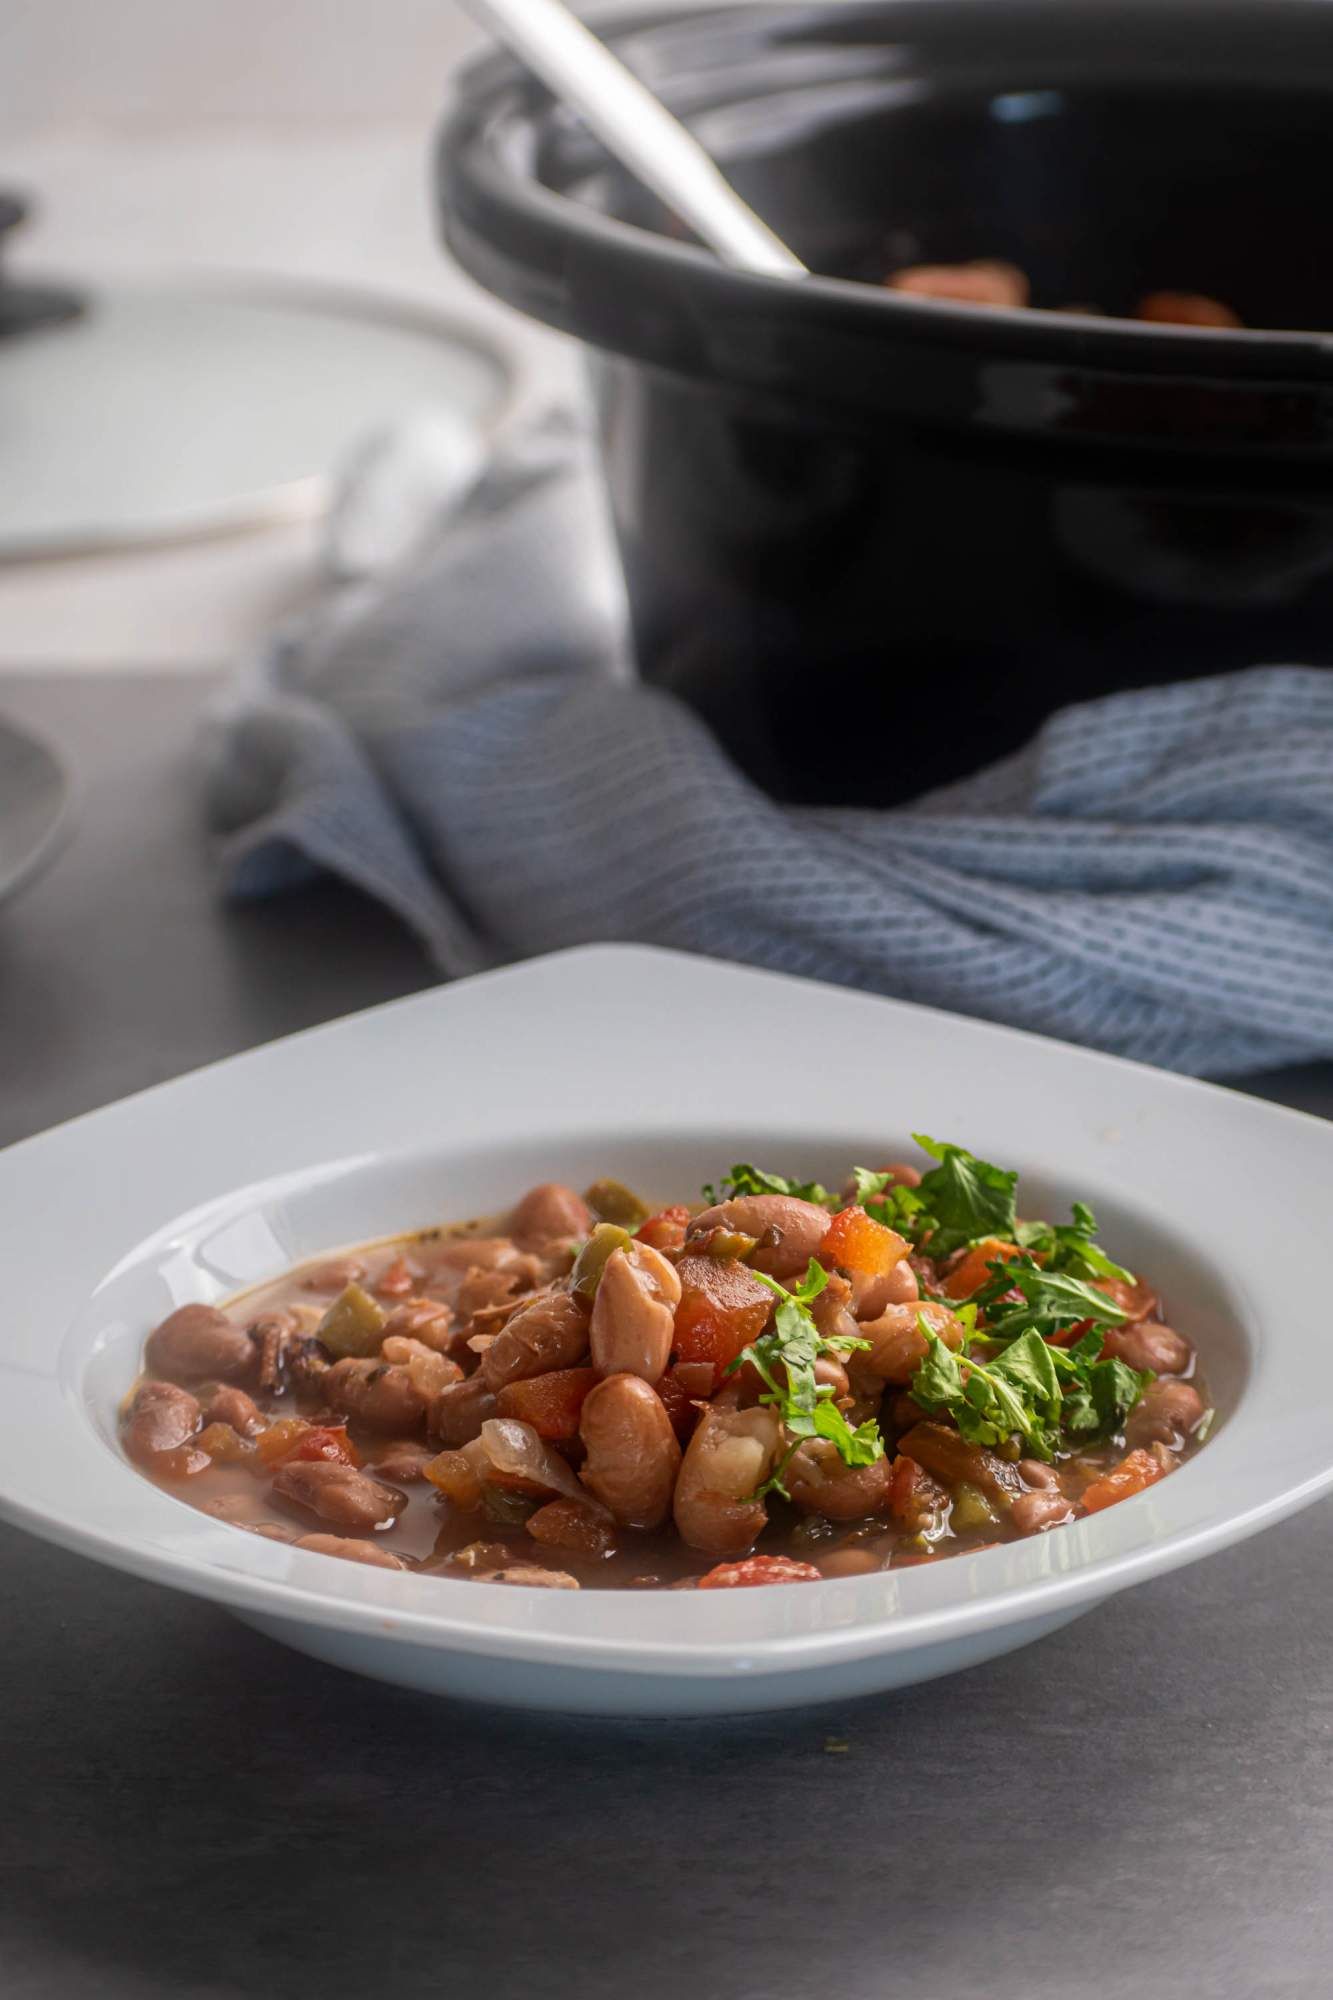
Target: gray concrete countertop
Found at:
1139, 1808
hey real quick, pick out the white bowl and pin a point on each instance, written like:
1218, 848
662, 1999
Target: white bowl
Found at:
659, 1069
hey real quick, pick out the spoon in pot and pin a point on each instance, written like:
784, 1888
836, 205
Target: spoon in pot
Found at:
637, 129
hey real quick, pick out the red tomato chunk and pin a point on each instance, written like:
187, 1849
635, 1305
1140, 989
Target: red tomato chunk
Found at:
759, 1569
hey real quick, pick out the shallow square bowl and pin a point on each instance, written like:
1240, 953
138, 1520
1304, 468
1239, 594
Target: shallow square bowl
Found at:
658, 1069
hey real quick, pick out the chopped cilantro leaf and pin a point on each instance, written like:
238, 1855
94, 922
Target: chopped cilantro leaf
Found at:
1071, 1246
963, 1199
745, 1179
785, 1358
1029, 1390
1048, 1300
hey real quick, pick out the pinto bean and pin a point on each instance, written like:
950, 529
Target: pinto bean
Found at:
350, 1551
633, 1456
457, 1254
1131, 1295
788, 1231
482, 1290
1036, 1474
428, 1320
897, 1344
633, 1314
340, 1494
531, 1574
381, 1396
830, 1374
550, 1333
1148, 1344
247, 1510
229, 1405
897, 1287
1166, 1413
849, 1562
335, 1274
430, 1372
159, 1424
819, 1483
548, 1210
458, 1413
196, 1342
730, 1455
403, 1464
1047, 1507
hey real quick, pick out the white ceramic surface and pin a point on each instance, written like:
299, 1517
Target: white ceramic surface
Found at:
35, 801
261, 388
657, 1068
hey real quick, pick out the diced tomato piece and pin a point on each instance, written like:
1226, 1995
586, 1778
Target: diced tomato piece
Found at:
759, 1569
326, 1441
281, 1438
666, 1229
915, 1499
952, 1460
1069, 1336
397, 1281
723, 1307
552, 1403
969, 1274
681, 1390
1139, 1470
855, 1242
453, 1474
224, 1444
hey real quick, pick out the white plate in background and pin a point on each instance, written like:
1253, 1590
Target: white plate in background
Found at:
171, 411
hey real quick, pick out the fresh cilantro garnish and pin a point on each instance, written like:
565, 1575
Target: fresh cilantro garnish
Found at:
883, 1200
1049, 1300
962, 1200
1071, 1246
1029, 1390
745, 1179
785, 1356
1015, 1394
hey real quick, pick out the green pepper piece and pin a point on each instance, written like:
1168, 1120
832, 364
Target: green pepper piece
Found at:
730, 1243
971, 1510
353, 1324
506, 1508
588, 1266
612, 1201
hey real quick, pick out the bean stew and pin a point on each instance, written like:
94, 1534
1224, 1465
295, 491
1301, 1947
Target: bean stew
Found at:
780, 1384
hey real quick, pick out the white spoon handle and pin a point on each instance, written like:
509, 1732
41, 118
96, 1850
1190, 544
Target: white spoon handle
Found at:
636, 128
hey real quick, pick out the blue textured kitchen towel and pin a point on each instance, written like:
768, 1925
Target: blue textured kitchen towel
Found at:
1152, 875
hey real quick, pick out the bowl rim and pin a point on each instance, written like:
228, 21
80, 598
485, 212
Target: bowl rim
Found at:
497, 217
1231, 1489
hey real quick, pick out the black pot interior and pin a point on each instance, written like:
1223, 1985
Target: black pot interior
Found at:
866, 155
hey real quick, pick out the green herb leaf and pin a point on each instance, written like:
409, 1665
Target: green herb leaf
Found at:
1071, 1246
1029, 1390
963, 1198
1049, 1300
746, 1179
1015, 1395
785, 1358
